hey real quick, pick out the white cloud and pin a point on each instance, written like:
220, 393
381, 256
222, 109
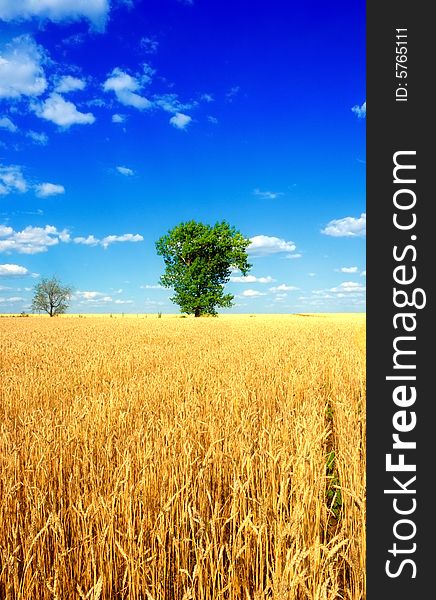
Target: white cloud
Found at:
283, 287
6, 123
180, 121
126, 237
125, 171
11, 300
31, 240
11, 180
213, 120
171, 103
348, 269
70, 84
116, 118
346, 227
252, 293
363, 273
347, 287
125, 87
89, 295
251, 279
9, 270
21, 72
264, 245
108, 240
43, 190
38, 138
88, 241
62, 112
95, 11
267, 195
98, 298
152, 287
293, 256
346, 290
360, 111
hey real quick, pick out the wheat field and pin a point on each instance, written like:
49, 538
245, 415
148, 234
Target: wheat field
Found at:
180, 458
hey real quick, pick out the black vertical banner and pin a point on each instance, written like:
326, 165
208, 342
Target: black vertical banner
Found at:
401, 431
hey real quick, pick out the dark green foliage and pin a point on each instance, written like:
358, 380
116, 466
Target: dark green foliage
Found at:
334, 496
198, 261
51, 296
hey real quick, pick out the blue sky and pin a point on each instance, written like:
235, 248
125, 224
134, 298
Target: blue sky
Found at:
121, 118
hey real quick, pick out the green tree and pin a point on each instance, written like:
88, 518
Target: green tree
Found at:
198, 262
51, 296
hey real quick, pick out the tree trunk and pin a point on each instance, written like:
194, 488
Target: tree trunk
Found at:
197, 312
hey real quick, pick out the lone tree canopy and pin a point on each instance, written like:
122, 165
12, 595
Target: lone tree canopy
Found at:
198, 262
51, 296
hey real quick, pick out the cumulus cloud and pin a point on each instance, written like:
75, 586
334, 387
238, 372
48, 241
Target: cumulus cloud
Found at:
44, 190
267, 195
346, 291
180, 120
10, 270
69, 84
251, 279
11, 180
62, 112
21, 71
31, 240
11, 300
348, 287
108, 240
98, 298
95, 11
89, 295
363, 273
126, 237
252, 293
265, 245
126, 87
348, 269
116, 118
359, 111
90, 240
6, 123
346, 227
171, 103
125, 171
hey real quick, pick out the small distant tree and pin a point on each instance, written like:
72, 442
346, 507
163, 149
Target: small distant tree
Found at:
198, 263
51, 296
